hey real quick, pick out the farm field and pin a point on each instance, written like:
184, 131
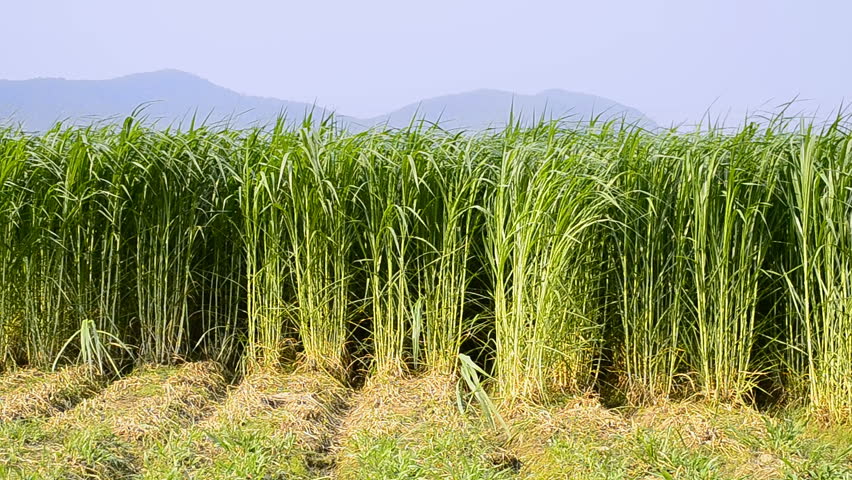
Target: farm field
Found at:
604, 302
179, 422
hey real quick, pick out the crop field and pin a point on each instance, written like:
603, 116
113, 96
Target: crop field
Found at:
543, 303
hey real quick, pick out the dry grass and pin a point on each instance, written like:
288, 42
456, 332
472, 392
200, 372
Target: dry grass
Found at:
533, 425
700, 424
104, 437
720, 430
305, 403
153, 399
38, 394
391, 405
12, 380
411, 427
581, 436
274, 424
164, 423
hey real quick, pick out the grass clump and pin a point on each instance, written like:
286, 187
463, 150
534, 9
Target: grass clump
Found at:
549, 197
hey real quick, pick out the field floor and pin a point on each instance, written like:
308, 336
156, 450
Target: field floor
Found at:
187, 422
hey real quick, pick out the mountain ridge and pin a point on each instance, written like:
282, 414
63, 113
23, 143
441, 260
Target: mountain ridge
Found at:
489, 108
173, 96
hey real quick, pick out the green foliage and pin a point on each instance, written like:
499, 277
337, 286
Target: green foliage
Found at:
248, 450
709, 262
94, 352
441, 454
470, 372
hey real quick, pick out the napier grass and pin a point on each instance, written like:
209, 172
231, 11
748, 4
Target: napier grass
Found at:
647, 265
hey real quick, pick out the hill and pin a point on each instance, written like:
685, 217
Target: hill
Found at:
172, 97
481, 109
169, 96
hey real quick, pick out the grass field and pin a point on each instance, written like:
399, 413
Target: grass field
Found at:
179, 423
426, 304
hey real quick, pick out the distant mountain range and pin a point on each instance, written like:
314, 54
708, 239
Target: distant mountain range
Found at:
172, 97
480, 109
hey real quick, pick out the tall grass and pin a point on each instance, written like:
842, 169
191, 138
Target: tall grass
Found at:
650, 260
547, 199
732, 191
262, 190
321, 233
456, 180
711, 262
819, 199
12, 201
391, 200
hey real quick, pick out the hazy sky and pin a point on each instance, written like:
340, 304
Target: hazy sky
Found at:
672, 59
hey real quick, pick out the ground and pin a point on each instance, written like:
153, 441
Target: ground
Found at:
191, 422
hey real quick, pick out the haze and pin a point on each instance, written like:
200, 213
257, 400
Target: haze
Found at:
670, 59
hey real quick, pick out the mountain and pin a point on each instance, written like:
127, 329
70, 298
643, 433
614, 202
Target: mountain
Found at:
482, 109
172, 97
169, 97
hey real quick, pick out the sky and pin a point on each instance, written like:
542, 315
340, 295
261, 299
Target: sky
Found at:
675, 60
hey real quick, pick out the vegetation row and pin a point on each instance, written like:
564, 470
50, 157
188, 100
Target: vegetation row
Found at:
654, 265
